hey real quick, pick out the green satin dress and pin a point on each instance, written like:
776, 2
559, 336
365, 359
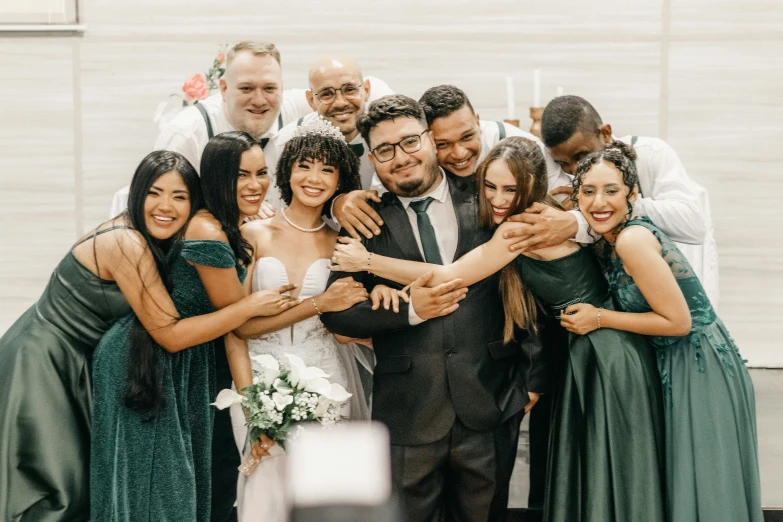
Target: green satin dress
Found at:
158, 468
606, 460
712, 469
45, 386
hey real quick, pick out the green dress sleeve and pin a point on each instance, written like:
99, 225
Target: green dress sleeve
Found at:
212, 253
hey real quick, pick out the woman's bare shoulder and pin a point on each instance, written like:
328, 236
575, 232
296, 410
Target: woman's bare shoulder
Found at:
204, 226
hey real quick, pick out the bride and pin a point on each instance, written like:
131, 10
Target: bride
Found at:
294, 248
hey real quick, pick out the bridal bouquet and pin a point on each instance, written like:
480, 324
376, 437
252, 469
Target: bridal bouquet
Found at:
282, 397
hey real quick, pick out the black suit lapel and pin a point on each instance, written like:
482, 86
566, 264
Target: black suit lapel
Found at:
463, 198
399, 226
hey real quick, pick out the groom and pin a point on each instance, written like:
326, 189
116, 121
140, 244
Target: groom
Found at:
448, 389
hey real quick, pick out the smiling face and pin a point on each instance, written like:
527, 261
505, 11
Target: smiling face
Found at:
603, 198
500, 190
252, 183
407, 174
458, 141
313, 182
344, 108
167, 206
252, 91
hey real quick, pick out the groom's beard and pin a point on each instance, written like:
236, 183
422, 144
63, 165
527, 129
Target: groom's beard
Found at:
416, 187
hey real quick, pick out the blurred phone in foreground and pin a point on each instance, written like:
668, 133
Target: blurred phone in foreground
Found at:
342, 473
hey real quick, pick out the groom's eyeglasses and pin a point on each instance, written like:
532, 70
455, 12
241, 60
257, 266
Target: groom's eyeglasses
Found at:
409, 144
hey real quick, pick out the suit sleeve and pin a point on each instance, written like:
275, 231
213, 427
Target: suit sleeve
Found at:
538, 375
361, 321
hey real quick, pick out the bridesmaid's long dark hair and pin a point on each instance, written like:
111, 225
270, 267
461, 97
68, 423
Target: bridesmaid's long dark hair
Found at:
526, 162
143, 392
219, 176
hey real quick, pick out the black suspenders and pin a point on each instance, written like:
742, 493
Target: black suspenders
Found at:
501, 129
204, 115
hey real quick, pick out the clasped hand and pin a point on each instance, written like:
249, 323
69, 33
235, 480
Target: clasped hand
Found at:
349, 256
580, 318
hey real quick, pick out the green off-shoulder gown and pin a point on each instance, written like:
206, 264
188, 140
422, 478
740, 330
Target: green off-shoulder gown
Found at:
712, 470
157, 468
606, 460
45, 395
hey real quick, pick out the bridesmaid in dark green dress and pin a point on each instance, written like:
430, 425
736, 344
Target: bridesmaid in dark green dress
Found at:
710, 420
45, 377
151, 441
607, 454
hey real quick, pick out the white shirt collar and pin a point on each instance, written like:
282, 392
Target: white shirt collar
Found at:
440, 193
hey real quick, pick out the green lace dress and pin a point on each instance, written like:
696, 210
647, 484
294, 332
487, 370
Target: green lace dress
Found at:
606, 460
711, 447
45, 395
146, 468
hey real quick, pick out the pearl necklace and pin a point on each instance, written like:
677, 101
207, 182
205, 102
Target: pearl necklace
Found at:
316, 229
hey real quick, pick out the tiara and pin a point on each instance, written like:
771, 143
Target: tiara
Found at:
319, 127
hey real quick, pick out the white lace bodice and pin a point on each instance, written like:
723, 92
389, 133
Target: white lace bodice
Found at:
308, 339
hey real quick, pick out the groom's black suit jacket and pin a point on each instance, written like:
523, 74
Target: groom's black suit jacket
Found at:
449, 366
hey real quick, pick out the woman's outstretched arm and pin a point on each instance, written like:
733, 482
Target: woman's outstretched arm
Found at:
480, 263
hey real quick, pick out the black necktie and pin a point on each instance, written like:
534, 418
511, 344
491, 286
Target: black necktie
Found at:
264, 141
357, 149
426, 233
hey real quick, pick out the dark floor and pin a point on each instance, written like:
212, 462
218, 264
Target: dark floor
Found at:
769, 415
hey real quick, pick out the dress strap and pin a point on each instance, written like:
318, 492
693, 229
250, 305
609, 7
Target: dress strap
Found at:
99, 232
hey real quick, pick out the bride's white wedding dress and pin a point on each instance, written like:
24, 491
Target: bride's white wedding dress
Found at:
261, 497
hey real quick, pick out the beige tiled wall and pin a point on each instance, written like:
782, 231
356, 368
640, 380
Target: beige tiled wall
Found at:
76, 113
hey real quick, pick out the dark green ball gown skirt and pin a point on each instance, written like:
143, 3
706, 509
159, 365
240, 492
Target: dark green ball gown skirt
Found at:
158, 468
46, 396
712, 469
606, 460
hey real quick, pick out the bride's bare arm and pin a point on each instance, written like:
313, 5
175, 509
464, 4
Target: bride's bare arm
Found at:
480, 263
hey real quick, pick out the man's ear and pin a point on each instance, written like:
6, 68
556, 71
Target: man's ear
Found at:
605, 131
367, 87
310, 99
223, 86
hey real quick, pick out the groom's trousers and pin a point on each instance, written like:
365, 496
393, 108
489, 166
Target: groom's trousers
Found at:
461, 477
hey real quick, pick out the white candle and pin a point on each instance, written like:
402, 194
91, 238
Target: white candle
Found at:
510, 97
536, 87
559, 90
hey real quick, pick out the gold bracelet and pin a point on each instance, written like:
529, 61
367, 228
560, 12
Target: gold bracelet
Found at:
599, 318
369, 260
312, 299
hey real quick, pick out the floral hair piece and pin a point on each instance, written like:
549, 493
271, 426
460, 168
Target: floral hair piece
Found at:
319, 127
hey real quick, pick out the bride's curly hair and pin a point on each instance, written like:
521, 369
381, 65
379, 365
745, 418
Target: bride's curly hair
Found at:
327, 150
619, 154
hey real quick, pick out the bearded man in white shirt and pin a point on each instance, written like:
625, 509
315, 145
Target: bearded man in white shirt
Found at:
339, 93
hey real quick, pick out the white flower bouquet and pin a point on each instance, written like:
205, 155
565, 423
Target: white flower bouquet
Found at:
281, 398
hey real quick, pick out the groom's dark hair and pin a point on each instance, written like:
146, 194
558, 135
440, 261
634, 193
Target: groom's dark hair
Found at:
389, 108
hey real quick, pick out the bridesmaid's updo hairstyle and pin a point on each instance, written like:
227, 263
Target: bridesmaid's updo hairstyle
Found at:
219, 177
318, 140
619, 154
142, 392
